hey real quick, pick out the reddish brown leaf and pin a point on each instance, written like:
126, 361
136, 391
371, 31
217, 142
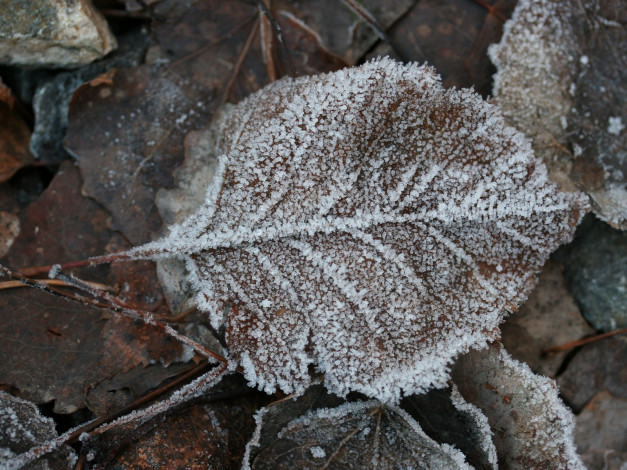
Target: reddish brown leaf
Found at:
209, 433
14, 137
54, 349
453, 36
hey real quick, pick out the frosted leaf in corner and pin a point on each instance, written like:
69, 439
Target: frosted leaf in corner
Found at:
369, 223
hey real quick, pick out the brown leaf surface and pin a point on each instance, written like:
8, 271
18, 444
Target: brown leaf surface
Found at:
453, 36
210, 432
548, 318
368, 223
14, 136
54, 349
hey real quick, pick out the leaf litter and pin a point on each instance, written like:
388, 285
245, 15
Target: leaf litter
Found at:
233, 301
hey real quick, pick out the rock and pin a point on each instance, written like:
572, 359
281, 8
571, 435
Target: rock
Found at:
52, 33
595, 269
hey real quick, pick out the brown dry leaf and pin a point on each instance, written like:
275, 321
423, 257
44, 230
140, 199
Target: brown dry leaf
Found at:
279, 414
339, 29
351, 436
369, 223
127, 130
22, 427
210, 432
533, 428
601, 433
453, 36
549, 317
446, 418
54, 349
14, 137
596, 367
562, 79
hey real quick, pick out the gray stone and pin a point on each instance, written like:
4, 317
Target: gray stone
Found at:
52, 33
595, 269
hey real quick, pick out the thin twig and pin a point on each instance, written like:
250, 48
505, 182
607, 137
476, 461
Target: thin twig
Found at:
146, 317
53, 282
240, 61
581, 342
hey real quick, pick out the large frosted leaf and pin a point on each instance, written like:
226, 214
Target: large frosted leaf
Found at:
353, 436
370, 223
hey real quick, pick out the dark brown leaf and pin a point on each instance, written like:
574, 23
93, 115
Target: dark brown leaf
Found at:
598, 366
453, 36
22, 427
210, 432
54, 349
353, 436
445, 417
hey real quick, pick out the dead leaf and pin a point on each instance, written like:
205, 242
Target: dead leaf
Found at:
386, 266
446, 418
453, 36
548, 318
338, 28
14, 137
209, 432
562, 80
601, 430
596, 367
56, 350
23, 427
279, 414
533, 428
353, 436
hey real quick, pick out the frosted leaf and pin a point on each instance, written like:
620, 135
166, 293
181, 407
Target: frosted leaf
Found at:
369, 223
534, 428
23, 427
446, 417
353, 436
562, 79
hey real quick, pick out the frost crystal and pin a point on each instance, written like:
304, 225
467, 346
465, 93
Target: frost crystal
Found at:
370, 223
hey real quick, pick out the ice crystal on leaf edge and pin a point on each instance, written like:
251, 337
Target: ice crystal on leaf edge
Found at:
370, 223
